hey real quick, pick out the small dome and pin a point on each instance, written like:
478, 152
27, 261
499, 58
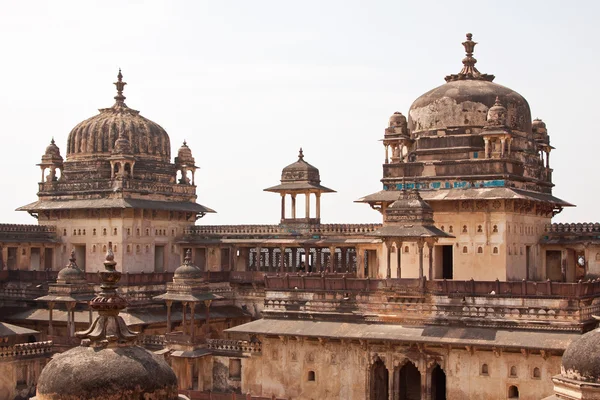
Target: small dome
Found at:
496, 114
98, 135
300, 171
71, 273
397, 120
53, 150
580, 360
123, 373
184, 155
122, 145
187, 270
538, 126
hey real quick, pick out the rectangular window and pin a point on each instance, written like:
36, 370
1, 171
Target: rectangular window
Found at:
159, 258
35, 259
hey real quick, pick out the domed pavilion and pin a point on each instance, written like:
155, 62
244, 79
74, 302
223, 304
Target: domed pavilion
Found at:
471, 149
117, 176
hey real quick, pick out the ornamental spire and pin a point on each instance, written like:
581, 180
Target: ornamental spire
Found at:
300, 154
120, 85
468, 70
108, 328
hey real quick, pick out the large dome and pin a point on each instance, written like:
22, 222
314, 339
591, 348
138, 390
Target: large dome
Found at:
464, 100
464, 103
97, 135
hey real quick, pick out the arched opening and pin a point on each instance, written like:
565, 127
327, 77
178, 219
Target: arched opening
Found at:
407, 382
513, 372
495, 251
127, 170
379, 381
311, 376
189, 176
480, 250
513, 392
484, 369
438, 384
536, 373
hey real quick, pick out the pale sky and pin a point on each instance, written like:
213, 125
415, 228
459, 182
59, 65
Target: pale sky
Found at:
247, 83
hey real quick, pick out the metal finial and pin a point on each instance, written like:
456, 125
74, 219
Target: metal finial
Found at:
52, 141
300, 154
120, 85
187, 260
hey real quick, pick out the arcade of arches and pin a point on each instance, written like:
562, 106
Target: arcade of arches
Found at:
407, 382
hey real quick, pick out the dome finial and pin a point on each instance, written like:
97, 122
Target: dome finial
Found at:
468, 70
120, 85
188, 257
300, 154
108, 328
52, 141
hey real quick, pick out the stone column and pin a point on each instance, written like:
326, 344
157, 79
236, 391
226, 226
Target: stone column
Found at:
399, 259
282, 206
207, 305
270, 264
258, 258
70, 318
502, 140
430, 248
282, 259
317, 266
169, 304
184, 323
318, 205
50, 327
306, 258
548, 159
386, 153
420, 244
192, 312
294, 266
388, 246
307, 205
332, 266
293, 205
487, 146
344, 256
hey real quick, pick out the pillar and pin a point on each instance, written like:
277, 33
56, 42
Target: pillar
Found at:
192, 313
306, 257
430, 248
487, 146
184, 323
282, 259
388, 246
294, 266
399, 259
169, 304
270, 264
548, 159
502, 140
293, 206
318, 254
386, 153
50, 327
332, 265
307, 216
420, 244
282, 206
258, 257
207, 305
318, 205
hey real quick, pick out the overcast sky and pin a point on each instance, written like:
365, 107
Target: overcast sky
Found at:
247, 83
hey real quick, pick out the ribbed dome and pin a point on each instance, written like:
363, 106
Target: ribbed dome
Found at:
184, 154
97, 135
465, 99
53, 150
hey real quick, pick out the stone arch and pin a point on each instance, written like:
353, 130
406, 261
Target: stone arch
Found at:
379, 380
513, 392
407, 381
438, 383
